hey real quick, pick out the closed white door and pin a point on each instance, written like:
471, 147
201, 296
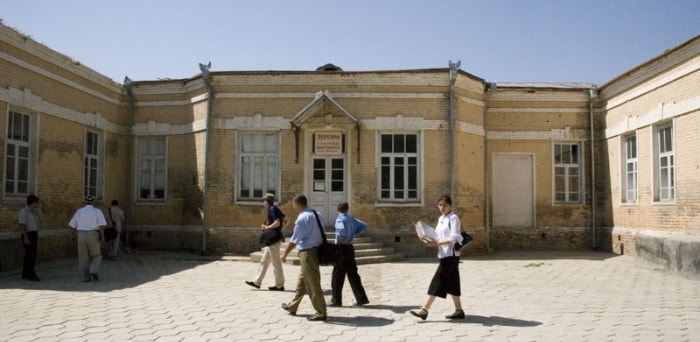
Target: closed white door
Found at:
328, 188
513, 191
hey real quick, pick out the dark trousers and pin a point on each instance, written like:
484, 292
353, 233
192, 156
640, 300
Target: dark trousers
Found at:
347, 266
30, 255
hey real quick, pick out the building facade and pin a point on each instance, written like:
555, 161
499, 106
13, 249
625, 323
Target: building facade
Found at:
529, 166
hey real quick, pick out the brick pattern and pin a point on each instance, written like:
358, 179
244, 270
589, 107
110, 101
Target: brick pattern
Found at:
521, 119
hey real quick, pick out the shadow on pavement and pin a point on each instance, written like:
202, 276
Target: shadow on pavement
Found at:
497, 320
360, 321
129, 270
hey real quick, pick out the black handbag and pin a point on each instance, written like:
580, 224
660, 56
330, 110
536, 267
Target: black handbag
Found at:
111, 233
270, 237
328, 254
466, 240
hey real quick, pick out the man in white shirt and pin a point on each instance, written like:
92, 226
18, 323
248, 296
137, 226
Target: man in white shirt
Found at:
89, 224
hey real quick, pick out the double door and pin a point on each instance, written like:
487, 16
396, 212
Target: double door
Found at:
328, 187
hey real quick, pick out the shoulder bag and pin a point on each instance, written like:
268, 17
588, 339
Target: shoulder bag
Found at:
328, 254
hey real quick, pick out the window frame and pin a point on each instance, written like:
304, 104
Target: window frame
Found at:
269, 165
31, 146
567, 174
658, 168
409, 167
97, 155
629, 194
152, 172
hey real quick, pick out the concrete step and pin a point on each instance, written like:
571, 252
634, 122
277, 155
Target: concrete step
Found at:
366, 252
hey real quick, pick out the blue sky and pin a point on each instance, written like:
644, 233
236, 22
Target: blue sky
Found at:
501, 41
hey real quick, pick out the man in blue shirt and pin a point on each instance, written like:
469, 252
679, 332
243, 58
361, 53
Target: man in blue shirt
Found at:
346, 228
306, 238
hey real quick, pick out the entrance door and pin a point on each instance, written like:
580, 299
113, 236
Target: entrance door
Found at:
328, 188
513, 191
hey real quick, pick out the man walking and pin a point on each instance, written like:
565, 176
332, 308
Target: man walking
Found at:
116, 215
89, 224
306, 238
28, 219
346, 228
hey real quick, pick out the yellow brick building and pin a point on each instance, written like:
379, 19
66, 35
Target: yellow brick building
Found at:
529, 166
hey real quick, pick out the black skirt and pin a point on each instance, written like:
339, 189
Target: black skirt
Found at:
446, 279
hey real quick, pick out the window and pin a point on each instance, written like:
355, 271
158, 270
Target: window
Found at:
152, 176
19, 154
664, 164
399, 176
93, 174
629, 169
259, 165
567, 173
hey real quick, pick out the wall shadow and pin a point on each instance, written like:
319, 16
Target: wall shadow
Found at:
129, 270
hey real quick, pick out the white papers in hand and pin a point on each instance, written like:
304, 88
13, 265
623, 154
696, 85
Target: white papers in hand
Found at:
425, 232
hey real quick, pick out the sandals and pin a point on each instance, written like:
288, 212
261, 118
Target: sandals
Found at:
458, 314
422, 313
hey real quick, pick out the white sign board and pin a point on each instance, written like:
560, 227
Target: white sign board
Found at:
328, 143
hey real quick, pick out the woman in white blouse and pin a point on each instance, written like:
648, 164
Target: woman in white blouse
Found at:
446, 279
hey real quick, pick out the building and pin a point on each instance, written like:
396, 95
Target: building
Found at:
529, 166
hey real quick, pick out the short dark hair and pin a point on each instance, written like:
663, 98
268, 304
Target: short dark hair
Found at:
343, 207
115, 202
301, 200
31, 199
446, 199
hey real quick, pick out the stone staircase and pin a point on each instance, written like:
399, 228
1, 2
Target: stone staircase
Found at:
366, 251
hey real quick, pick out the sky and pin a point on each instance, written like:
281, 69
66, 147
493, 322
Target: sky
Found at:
587, 41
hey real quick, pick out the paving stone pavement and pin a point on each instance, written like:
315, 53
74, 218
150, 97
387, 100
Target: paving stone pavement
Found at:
528, 296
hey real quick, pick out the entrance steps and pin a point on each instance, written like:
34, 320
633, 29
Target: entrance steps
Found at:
366, 251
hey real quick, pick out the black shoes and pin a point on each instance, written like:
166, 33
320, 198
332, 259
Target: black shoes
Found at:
458, 314
252, 284
317, 318
422, 313
94, 277
288, 309
361, 303
335, 304
32, 278
274, 288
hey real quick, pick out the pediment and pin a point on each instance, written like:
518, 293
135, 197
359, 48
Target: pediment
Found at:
324, 107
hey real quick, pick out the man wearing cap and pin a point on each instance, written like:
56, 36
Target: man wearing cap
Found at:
89, 224
271, 253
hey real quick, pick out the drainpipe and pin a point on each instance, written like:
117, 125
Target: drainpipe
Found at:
206, 76
128, 85
591, 98
491, 89
454, 69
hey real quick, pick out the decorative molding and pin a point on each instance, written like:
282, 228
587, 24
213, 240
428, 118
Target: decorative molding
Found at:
663, 111
554, 134
254, 122
646, 87
538, 110
59, 79
24, 98
401, 122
